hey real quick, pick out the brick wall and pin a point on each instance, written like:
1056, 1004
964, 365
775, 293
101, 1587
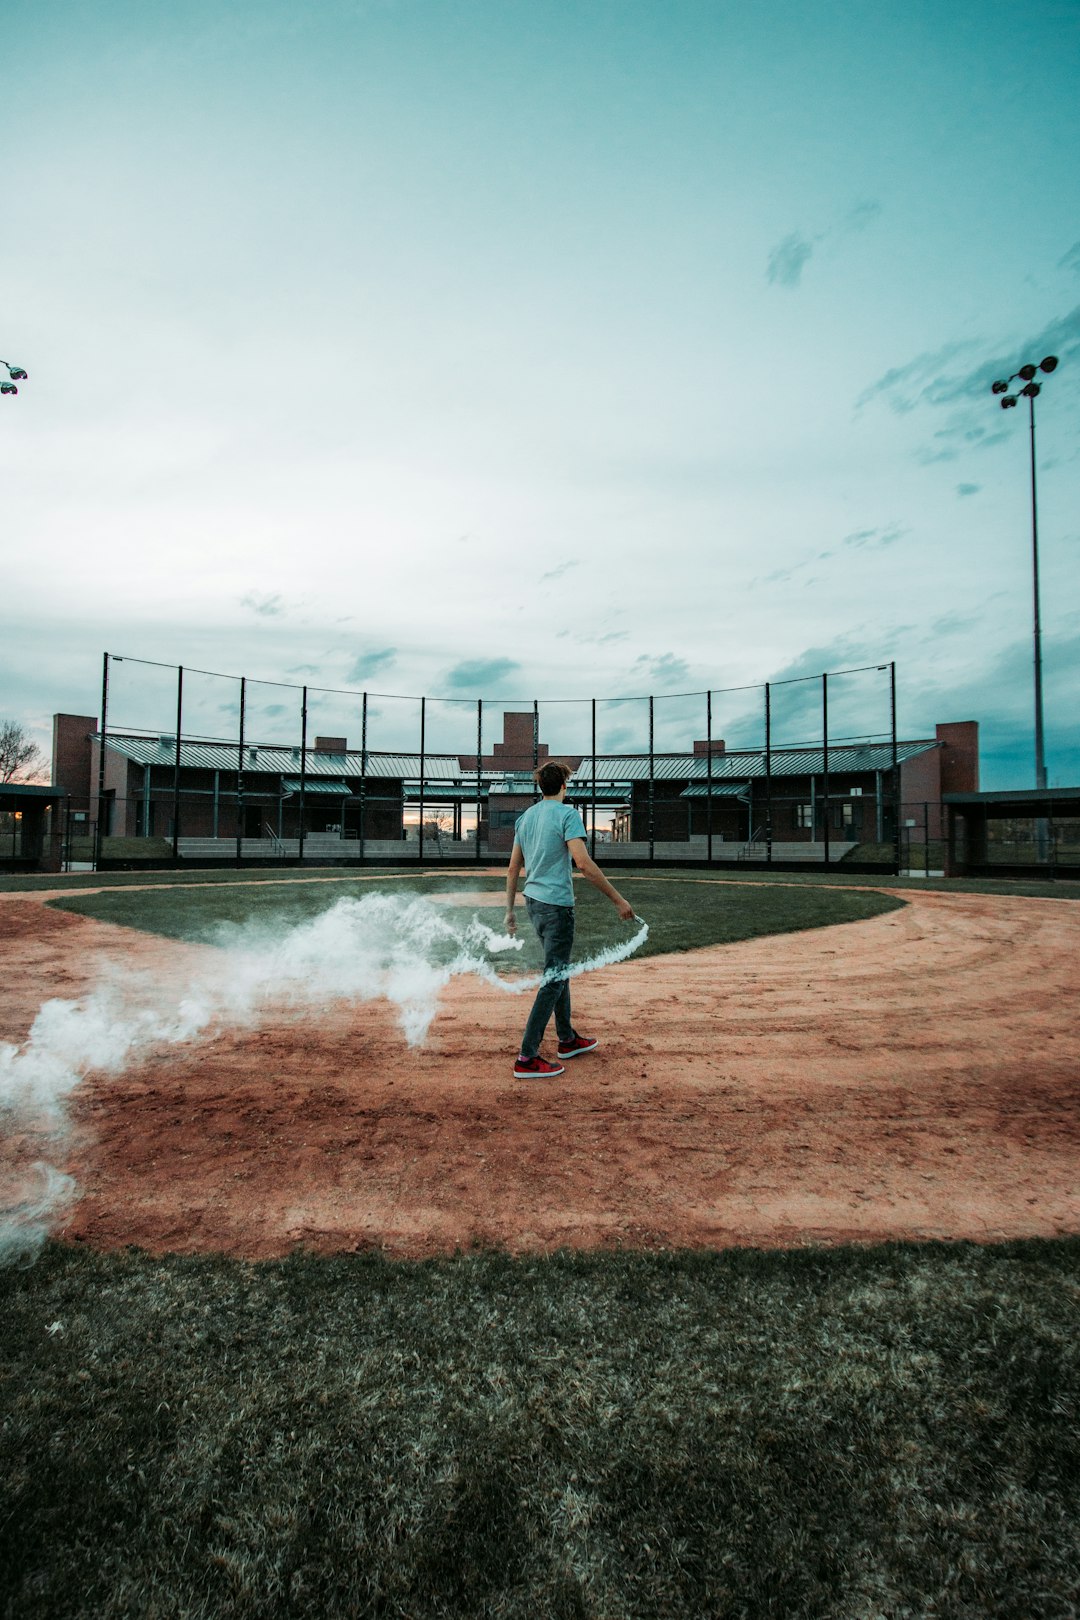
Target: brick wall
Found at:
71, 755
920, 784
960, 756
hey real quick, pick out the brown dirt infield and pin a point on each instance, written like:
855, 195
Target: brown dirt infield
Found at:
914, 1075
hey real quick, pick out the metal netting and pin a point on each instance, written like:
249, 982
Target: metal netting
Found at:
209, 767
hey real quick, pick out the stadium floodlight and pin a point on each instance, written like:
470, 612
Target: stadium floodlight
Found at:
1008, 401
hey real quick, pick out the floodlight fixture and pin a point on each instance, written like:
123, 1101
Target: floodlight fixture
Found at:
16, 373
1031, 391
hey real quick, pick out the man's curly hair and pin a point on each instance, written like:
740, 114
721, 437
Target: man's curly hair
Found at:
551, 776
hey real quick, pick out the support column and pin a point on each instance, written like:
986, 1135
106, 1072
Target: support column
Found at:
363, 773
479, 784
825, 759
708, 777
592, 818
98, 829
423, 767
652, 786
303, 767
895, 768
768, 773
240, 810
176, 762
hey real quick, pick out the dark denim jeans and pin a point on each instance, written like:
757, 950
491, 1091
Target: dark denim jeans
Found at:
555, 926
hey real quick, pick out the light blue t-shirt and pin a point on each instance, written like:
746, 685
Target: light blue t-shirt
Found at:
543, 832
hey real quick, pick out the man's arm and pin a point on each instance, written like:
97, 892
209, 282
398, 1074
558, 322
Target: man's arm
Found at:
513, 872
590, 871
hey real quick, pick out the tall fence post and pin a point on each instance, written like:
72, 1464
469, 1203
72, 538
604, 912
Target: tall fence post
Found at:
303, 768
536, 737
708, 776
895, 768
423, 767
176, 762
825, 760
240, 774
592, 805
98, 834
652, 786
479, 751
363, 772
768, 773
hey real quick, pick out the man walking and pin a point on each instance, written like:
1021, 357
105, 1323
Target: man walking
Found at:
547, 838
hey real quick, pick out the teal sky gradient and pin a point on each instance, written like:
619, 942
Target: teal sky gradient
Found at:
595, 344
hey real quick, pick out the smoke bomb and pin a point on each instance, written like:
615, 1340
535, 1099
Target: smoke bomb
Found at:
383, 946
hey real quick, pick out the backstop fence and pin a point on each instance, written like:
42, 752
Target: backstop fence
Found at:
200, 768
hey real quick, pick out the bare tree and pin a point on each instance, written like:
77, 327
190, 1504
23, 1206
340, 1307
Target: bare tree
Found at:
20, 756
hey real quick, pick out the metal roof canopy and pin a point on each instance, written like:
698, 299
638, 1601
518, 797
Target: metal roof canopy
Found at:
317, 784
435, 793
31, 792
602, 793
844, 758
261, 759
1018, 802
720, 790
610, 768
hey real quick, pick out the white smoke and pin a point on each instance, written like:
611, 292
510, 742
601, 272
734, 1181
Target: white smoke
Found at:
382, 946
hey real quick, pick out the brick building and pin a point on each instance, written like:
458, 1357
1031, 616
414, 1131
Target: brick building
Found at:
212, 802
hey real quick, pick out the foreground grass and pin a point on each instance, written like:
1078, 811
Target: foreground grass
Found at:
681, 917
887, 1432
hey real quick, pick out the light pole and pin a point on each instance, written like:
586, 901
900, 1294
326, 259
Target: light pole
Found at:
1030, 391
15, 374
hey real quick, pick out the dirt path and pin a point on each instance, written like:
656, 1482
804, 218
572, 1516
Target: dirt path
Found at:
914, 1075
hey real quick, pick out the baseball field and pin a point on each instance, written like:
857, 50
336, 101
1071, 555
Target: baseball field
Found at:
767, 1307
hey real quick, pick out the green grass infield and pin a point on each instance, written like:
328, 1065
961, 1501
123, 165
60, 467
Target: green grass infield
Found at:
870, 1434
681, 915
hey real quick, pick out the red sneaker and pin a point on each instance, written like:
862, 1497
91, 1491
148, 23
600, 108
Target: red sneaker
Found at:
576, 1045
536, 1068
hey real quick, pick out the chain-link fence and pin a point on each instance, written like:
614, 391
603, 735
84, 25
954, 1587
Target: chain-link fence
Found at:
192, 766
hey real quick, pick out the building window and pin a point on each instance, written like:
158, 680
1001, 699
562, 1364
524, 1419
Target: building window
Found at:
804, 816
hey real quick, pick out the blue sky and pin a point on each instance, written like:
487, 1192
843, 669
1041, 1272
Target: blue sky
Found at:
543, 349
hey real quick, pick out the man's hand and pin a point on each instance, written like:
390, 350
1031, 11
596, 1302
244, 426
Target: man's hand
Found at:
513, 872
625, 910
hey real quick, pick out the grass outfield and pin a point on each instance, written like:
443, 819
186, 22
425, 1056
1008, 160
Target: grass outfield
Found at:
681, 916
886, 1432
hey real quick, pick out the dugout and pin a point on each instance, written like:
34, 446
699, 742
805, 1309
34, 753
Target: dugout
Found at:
1022, 833
25, 825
